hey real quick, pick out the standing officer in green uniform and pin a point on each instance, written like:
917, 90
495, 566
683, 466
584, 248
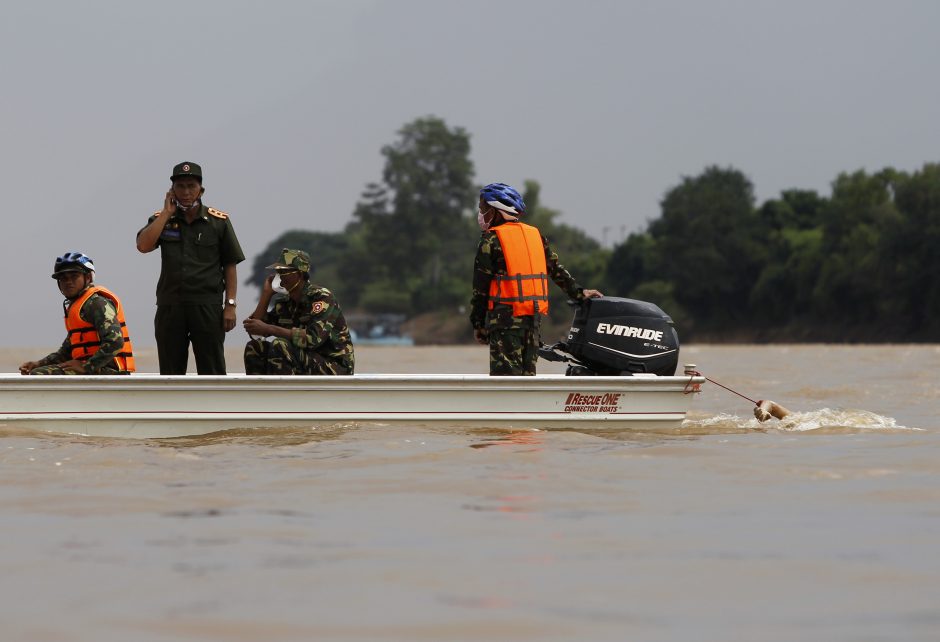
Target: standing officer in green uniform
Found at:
198, 281
310, 332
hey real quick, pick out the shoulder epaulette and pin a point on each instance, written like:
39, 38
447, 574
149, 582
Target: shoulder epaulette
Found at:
217, 213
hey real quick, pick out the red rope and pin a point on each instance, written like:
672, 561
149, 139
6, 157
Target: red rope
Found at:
730, 390
697, 373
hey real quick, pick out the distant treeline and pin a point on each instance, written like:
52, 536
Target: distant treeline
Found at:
860, 265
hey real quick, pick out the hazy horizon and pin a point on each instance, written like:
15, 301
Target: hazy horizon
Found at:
286, 106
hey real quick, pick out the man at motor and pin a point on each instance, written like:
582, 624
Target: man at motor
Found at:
510, 282
198, 281
308, 330
97, 341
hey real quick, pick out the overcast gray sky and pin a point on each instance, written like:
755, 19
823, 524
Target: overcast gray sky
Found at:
287, 104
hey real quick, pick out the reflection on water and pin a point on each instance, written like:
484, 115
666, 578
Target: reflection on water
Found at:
528, 440
272, 437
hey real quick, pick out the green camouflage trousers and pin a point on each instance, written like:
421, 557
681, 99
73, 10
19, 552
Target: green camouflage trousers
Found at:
56, 369
280, 357
513, 351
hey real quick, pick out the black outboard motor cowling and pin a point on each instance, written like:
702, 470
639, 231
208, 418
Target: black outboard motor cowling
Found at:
615, 336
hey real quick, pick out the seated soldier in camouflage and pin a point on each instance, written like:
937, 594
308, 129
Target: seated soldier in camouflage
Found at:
308, 326
96, 341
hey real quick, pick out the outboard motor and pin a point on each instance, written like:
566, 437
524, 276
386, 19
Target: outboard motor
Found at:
615, 336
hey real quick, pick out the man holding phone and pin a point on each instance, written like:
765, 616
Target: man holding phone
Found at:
196, 290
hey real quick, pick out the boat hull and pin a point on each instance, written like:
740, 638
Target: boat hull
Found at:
154, 406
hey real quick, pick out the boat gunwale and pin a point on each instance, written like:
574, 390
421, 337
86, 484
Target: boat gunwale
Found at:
142, 382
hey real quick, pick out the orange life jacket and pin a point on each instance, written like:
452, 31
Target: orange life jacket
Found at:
84, 338
525, 286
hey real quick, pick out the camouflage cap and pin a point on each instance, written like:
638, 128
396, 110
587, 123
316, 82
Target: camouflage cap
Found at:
186, 168
297, 259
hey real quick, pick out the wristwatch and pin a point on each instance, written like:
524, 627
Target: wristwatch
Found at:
230, 302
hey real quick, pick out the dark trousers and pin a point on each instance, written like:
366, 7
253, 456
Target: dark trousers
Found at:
176, 326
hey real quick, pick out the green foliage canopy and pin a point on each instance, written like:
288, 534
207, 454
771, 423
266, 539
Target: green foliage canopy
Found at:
861, 264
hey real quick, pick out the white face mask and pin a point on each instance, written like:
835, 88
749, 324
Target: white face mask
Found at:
183, 207
481, 221
276, 285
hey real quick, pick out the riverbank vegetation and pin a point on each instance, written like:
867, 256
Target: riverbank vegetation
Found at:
859, 264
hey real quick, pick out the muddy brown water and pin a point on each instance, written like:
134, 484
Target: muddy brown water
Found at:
820, 527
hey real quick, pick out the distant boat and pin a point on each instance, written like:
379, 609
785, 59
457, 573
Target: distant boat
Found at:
381, 340
378, 329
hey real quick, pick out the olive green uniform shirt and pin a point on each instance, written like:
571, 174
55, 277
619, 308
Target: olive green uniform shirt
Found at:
193, 256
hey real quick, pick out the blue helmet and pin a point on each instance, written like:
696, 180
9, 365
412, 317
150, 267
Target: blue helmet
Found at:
72, 262
503, 197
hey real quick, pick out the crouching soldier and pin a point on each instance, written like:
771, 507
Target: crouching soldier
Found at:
307, 326
97, 341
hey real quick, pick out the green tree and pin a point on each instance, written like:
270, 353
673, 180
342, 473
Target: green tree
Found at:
631, 264
861, 210
581, 255
711, 244
783, 291
325, 249
909, 257
795, 210
412, 233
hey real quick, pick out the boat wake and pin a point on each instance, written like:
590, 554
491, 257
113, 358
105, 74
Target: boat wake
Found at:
823, 421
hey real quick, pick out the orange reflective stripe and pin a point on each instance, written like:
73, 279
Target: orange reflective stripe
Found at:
84, 338
525, 285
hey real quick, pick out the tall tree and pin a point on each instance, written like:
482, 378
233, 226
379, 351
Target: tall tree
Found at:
711, 242
783, 291
414, 234
861, 210
910, 259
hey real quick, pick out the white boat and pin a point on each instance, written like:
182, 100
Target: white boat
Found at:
154, 406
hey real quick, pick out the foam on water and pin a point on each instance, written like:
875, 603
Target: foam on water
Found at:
838, 419
824, 420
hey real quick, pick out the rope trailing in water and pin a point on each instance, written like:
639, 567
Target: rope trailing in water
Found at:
730, 390
763, 410
696, 373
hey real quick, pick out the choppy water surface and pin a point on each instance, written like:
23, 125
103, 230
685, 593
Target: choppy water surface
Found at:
820, 527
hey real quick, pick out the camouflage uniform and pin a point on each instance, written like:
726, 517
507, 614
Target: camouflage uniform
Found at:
101, 313
320, 343
514, 341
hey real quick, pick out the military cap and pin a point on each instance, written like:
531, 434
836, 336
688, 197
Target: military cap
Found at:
187, 168
297, 259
